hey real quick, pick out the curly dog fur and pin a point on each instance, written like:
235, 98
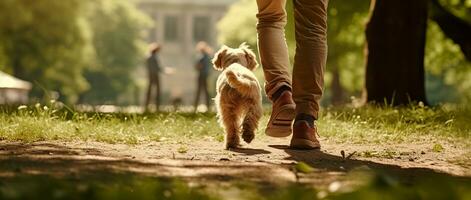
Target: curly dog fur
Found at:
238, 99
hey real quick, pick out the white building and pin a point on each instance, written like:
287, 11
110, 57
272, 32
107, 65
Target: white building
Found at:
13, 90
178, 26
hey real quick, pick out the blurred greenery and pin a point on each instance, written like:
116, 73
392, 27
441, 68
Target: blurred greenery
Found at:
118, 42
448, 73
46, 42
132, 186
67, 46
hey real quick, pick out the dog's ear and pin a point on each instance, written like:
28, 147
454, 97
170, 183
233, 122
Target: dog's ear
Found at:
252, 63
218, 58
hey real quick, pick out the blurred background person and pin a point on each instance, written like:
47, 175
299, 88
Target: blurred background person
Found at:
153, 68
203, 66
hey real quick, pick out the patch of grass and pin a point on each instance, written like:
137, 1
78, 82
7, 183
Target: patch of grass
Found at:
390, 124
35, 123
369, 124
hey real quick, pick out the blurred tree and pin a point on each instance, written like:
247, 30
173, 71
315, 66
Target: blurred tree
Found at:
45, 42
395, 38
119, 46
448, 72
239, 25
457, 29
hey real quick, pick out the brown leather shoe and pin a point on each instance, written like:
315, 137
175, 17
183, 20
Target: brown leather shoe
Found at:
282, 116
304, 137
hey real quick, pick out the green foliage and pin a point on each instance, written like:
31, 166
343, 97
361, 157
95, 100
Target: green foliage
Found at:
303, 167
239, 24
45, 42
72, 46
106, 185
444, 60
119, 47
461, 8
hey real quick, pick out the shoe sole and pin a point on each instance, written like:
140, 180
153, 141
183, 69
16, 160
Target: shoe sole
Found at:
304, 144
281, 125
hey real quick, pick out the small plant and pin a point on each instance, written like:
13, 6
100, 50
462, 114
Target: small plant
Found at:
437, 148
182, 149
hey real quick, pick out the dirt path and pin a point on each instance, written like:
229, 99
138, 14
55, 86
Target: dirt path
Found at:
266, 160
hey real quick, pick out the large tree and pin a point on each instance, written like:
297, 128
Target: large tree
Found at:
395, 37
45, 42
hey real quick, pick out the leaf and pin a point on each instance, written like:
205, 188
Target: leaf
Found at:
303, 168
182, 149
437, 148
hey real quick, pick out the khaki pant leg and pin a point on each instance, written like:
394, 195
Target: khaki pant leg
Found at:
272, 44
311, 54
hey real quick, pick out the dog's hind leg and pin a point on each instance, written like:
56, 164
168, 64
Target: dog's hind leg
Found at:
231, 128
250, 123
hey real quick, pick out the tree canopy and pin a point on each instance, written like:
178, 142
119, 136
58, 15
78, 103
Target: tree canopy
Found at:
46, 42
66, 46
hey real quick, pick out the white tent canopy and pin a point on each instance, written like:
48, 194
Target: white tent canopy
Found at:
9, 82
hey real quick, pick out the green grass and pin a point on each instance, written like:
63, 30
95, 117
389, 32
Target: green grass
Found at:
389, 124
368, 124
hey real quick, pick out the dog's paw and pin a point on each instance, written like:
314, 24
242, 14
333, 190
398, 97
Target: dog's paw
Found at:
232, 146
248, 136
232, 143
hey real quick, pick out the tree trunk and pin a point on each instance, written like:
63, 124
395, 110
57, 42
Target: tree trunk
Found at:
336, 88
395, 38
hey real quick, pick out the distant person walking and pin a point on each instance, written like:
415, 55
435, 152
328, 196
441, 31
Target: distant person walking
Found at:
295, 98
153, 68
203, 66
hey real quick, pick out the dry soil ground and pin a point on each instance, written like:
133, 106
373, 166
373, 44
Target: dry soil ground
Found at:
266, 160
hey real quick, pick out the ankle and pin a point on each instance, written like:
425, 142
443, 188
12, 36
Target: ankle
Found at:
305, 117
279, 92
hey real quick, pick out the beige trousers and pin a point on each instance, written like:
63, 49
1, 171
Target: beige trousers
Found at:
311, 50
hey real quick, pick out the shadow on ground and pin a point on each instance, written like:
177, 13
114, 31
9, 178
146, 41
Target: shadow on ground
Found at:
55, 171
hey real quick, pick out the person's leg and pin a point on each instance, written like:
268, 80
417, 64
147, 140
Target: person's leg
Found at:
206, 92
272, 44
309, 64
157, 91
197, 96
149, 93
275, 62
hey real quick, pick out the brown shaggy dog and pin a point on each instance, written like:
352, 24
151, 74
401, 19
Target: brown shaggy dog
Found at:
238, 100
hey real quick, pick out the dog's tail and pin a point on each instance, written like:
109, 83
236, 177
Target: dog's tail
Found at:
243, 83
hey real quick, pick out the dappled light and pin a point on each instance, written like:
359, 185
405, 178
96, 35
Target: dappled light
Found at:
235, 99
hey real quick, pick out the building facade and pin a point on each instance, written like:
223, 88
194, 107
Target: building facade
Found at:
178, 25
